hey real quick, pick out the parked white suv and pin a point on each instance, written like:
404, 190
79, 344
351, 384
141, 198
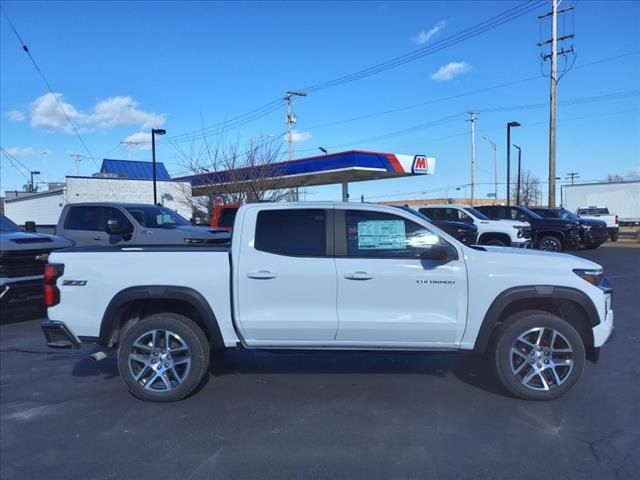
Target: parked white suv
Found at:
503, 233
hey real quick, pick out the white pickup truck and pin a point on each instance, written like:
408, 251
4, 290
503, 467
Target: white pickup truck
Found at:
499, 233
338, 276
602, 213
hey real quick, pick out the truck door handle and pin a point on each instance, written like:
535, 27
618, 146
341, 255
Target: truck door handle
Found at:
262, 275
359, 275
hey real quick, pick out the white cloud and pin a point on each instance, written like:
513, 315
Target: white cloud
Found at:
16, 116
47, 112
425, 35
20, 152
298, 137
450, 71
117, 111
141, 139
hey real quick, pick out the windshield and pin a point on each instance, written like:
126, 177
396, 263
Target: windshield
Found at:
7, 225
567, 215
476, 213
157, 217
524, 212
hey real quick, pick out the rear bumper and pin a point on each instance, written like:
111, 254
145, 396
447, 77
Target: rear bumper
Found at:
59, 335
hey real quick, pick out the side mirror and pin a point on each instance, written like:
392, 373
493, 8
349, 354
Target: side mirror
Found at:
440, 253
114, 227
30, 227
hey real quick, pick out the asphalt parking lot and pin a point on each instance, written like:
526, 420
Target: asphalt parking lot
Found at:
324, 415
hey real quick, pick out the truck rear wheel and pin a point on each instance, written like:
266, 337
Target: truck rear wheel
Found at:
613, 236
537, 355
163, 357
497, 242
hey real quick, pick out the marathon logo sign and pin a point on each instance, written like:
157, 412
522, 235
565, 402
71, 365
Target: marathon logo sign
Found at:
420, 165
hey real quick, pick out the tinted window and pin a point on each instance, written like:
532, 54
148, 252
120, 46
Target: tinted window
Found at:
593, 211
84, 218
157, 217
376, 234
297, 232
545, 213
477, 213
227, 217
433, 213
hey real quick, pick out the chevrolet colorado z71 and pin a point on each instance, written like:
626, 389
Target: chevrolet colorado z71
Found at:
329, 276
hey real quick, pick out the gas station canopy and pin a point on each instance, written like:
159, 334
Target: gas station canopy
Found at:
334, 168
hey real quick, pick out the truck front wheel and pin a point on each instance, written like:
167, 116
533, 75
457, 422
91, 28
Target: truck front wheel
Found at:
537, 355
550, 243
163, 357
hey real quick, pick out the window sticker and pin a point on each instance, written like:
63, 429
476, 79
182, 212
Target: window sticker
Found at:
381, 235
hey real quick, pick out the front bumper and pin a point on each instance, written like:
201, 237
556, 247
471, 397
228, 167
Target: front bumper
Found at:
59, 335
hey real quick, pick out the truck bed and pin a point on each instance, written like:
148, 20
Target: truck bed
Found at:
93, 276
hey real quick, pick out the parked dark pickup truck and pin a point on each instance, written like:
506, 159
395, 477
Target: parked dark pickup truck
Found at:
466, 233
553, 234
593, 233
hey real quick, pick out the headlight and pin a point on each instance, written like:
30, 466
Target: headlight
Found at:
593, 276
520, 230
194, 240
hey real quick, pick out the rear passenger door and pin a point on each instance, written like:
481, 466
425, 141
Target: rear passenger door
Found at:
286, 282
83, 225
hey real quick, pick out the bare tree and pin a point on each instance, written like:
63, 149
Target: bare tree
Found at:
530, 191
234, 174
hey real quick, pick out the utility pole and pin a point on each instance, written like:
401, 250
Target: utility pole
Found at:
77, 158
509, 126
44, 154
495, 169
472, 119
291, 121
130, 146
572, 176
553, 56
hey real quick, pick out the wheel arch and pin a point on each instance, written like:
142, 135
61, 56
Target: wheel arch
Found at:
132, 304
568, 303
486, 236
553, 233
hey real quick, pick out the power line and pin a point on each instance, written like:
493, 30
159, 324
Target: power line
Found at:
482, 27
465, 34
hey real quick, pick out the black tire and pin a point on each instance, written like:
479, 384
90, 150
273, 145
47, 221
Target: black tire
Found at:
509, 367
550, 243
613, 236
496, 242
163, 378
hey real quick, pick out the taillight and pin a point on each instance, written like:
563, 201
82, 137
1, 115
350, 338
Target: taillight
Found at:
616, 219
52, 271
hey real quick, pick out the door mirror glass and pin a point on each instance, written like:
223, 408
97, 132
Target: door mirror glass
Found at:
114, 227
439, 252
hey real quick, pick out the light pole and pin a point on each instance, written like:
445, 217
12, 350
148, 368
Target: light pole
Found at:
154, 132
518, 187
509, 125
495, 168
33, 172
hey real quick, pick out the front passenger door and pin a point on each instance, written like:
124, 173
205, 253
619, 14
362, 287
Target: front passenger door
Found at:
389, 295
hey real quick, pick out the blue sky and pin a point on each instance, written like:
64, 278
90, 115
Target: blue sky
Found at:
122, 68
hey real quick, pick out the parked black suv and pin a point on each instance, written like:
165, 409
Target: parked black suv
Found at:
466, 233
593, 233
553, 234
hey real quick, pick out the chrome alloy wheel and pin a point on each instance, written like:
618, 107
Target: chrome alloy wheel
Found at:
159, 360
541, 358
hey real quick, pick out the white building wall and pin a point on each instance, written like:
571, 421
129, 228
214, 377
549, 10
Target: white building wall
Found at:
43, 209
173, 195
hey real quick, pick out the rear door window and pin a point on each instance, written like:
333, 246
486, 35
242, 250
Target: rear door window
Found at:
292, 232
85, 218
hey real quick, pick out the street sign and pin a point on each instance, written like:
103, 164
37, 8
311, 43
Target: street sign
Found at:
491, 195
